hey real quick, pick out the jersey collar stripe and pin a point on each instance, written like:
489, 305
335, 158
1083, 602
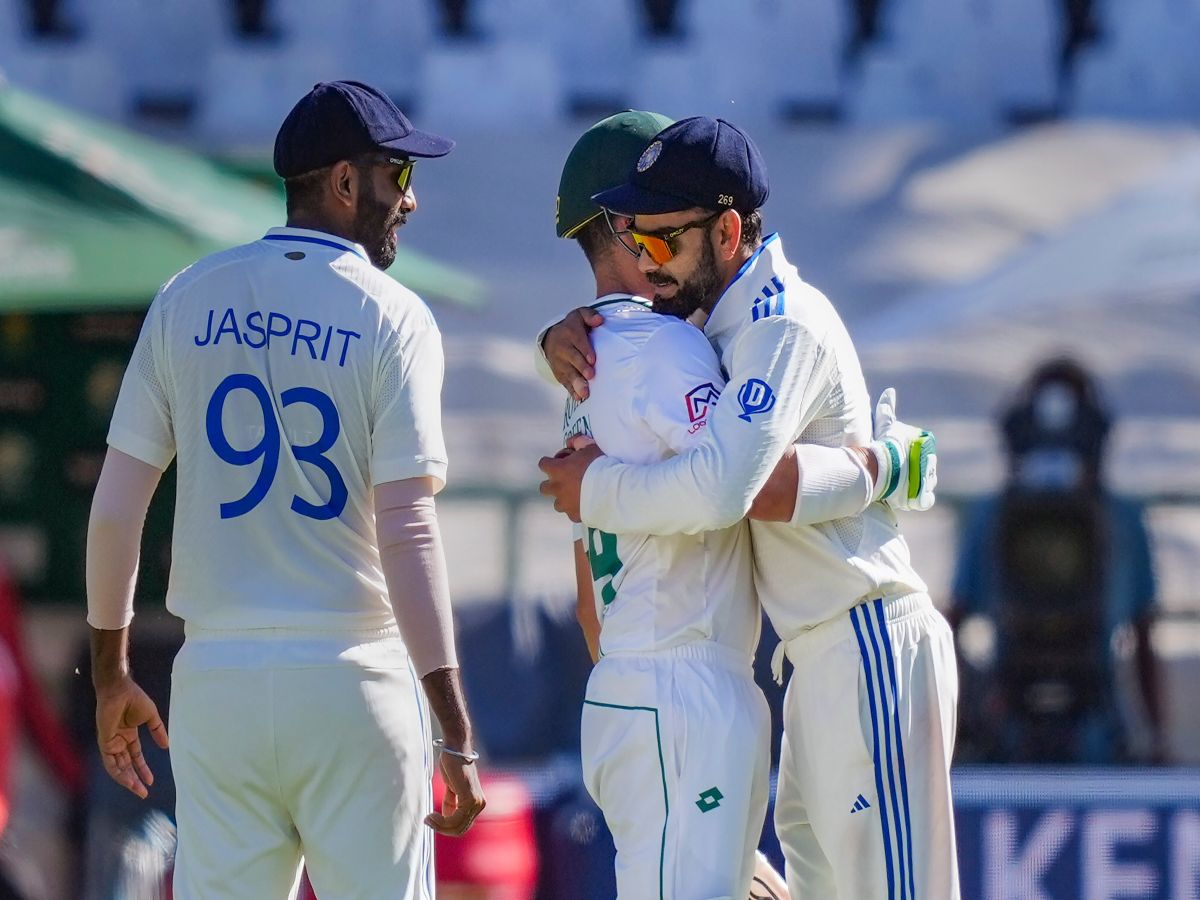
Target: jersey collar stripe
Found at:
769, 239
312, 240
637, 300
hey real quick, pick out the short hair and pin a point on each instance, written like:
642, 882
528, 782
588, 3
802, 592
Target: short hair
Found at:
303, 192
752, 229
595, 239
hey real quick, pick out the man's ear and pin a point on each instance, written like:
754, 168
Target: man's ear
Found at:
343, 184
729, 234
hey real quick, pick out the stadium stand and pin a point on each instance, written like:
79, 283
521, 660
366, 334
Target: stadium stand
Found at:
164, 47
488, 84
217, 69
1146, 66
1023, 42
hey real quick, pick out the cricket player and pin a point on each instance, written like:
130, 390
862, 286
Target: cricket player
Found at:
864, 807
299, 387
680, 619
677, 620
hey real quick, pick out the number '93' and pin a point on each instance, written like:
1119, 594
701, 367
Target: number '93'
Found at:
267, 450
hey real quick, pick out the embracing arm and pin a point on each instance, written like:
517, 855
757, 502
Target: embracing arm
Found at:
776, 385
563, 351
813, 484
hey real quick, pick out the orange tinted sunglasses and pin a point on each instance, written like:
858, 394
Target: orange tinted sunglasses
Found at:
662, 246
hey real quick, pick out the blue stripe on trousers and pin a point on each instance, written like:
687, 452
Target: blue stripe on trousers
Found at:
884, 703
887, 646
883, 822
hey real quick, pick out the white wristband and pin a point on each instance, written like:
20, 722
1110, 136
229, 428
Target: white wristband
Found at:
833, 484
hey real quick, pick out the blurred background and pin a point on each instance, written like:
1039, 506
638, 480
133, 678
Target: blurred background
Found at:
1002, 197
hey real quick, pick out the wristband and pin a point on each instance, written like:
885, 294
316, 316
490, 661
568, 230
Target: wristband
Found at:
440, 746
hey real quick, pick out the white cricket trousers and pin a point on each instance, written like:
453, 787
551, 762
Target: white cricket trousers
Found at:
863, 809
676, 753
292, 750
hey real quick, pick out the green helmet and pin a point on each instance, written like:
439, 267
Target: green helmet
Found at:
602, 158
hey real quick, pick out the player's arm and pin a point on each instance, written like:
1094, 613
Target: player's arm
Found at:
114, 538
585, 599
141, 440
809, 484
408, 467
777, 382
569, 359
414, 566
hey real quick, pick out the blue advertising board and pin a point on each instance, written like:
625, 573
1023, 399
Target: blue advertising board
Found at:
1078, 834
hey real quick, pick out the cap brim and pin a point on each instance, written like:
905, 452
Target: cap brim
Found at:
632, 200
420, 144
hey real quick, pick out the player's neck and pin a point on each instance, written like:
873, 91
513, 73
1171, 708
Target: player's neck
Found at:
312, 222
730, 270
609, 284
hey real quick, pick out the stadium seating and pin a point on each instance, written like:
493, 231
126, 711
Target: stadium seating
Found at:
162, 46
381, 42
250, 86
977, 63
1023, 42
80, 75
929, 66
734, 45
598, 55
1146, 67
490, 84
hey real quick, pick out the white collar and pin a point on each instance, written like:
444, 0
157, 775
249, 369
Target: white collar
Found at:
731, 305
309, 236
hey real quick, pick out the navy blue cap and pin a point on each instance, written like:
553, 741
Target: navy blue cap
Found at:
699, 161
338, 120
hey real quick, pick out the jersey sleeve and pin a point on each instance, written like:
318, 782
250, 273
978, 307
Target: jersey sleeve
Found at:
141, 425
407, 441
779, 378
679, 384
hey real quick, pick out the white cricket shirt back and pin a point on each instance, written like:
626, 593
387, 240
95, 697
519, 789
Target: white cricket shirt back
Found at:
657, 378
290, 376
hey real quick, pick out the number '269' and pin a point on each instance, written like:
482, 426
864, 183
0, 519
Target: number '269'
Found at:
268, 448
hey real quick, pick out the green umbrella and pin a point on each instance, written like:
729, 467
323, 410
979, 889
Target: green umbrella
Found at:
93, 215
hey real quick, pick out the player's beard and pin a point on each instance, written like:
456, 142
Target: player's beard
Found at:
375, 227
699, 290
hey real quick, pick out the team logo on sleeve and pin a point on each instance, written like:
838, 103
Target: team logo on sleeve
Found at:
755, 397
699, 400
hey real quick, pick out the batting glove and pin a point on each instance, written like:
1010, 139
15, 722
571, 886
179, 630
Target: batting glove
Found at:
907, 458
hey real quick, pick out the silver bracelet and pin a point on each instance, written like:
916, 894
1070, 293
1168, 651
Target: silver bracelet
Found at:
440, 746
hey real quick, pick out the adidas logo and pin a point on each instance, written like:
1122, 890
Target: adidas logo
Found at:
859, 805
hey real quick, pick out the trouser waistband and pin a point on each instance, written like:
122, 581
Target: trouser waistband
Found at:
839, 628
701, 651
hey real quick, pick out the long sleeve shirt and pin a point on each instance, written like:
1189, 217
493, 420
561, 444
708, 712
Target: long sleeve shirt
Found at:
793, 375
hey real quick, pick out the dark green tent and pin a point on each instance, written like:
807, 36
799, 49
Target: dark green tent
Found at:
93, 215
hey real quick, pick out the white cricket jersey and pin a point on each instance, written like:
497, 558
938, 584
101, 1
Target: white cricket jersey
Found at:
290, 376
794, 376
657, 381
